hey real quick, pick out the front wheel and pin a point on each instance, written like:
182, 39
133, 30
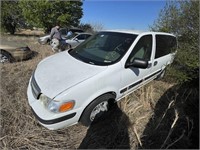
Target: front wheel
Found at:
96, 109
100, 108
5, 57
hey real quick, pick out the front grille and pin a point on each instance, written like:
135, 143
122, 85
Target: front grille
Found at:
35, 88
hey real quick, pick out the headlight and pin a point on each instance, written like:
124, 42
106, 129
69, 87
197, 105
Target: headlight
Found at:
56, 106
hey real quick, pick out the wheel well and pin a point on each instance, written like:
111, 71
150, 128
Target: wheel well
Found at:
110, 101
114, 94
69, 45
2, 50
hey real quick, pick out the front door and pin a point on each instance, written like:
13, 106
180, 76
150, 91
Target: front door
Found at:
133, 77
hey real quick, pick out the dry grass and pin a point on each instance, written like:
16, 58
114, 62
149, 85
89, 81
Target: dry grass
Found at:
151, 117
19, 129
36, 32
161, 118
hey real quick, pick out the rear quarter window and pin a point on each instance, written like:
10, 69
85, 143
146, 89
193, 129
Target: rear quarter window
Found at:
165, 44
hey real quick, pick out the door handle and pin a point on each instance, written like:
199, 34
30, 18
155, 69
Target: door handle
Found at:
155, 63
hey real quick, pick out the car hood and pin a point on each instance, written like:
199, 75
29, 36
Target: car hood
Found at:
68, 40
61, 71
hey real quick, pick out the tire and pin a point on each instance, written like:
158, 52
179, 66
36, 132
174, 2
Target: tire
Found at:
96, 108
5, 57
161, 75
48, 42
65, 46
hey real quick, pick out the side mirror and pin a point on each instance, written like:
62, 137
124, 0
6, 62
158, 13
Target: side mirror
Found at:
138, 63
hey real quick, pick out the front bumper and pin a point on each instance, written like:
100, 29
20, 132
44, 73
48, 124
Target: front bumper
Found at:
50, 120
53, 121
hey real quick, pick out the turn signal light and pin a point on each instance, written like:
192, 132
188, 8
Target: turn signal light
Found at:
66, 106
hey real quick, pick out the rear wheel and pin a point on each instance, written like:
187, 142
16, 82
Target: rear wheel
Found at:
64, 46
96, 108
67, 46
161, 75
48, 42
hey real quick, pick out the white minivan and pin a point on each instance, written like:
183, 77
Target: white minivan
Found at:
82, 83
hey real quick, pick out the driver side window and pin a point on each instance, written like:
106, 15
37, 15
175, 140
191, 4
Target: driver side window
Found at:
142, 49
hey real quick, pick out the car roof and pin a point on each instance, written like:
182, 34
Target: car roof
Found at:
82, 33
137, 32
125, 31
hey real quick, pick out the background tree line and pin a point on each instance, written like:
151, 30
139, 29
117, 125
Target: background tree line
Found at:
41, 14
44, 14
178, 17
182, 19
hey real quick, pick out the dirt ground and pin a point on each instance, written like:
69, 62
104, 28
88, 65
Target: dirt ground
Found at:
159, 115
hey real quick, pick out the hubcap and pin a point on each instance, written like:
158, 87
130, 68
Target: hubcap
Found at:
103, 106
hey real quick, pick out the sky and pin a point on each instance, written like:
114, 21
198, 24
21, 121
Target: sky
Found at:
119, 14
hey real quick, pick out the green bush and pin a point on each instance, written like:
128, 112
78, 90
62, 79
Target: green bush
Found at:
11, 16
182, 19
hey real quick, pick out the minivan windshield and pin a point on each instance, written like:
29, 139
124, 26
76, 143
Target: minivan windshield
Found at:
103, 48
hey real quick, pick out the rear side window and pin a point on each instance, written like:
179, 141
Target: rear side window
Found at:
165, 44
